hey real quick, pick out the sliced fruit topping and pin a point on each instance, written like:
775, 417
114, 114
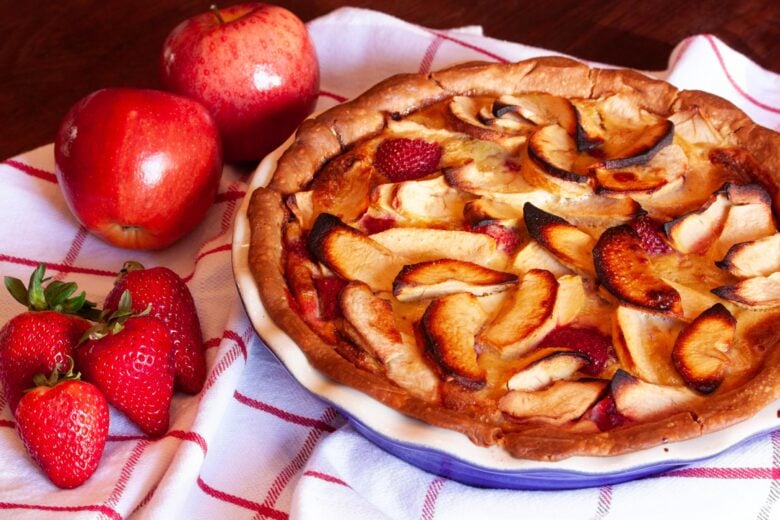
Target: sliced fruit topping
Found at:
506, 237
696, 231
328, 289
661, 174
623, 268
639, 400
373, 328
644, 341
476, 119
534, 256
756, 258
694, 128
541, 373
749, 217
585, 340
437, 278
651, 234
429, 200
555, 164
561, 402
351, 254
631, 148
539, 108
606, 416
700, 352
422, 244
449, 326
403, 159
531, 311
373, 224
471, 178
761, 292
572, 246
301, 205
342, 188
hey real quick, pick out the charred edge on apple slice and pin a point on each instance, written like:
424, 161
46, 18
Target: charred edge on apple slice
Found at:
555, 171
585, 143
647, 151
500, 109
537, 220
664, 299
751, 193
320, 231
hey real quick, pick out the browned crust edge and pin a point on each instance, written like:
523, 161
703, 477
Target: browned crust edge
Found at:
327, 135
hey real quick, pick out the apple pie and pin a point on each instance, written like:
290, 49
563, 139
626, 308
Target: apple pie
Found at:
556, 259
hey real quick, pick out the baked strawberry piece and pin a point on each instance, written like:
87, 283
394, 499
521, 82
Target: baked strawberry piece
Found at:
651, 234
586, 340
405, 159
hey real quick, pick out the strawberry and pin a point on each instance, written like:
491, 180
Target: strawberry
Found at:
506, 237
171, 302
586, 340
649, 231
403, 159
129, 357
328, 289
606, 415
63, 423
38, 340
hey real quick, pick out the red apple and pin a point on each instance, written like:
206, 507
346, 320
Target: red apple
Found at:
253, 66
138, 168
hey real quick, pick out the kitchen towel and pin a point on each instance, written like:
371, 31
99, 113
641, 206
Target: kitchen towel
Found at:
254, 444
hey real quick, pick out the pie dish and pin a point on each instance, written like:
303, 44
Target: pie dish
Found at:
553, 260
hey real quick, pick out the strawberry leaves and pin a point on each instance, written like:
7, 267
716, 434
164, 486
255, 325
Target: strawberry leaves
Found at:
55, 296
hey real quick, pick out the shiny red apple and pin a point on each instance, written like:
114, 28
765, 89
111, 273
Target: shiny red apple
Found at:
138, 168
253, 66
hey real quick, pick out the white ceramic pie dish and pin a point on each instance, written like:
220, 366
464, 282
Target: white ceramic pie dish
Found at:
449, 453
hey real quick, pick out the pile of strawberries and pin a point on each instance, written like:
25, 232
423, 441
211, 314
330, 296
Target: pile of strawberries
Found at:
145, 343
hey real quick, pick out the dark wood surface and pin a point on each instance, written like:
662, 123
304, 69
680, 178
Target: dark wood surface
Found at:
53, 53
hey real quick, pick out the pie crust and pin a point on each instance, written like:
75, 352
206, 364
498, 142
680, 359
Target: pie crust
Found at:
752, 155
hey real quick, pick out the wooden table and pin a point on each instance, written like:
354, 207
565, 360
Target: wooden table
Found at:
53, 53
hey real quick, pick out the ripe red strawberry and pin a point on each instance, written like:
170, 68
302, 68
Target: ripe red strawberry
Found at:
403, 159
63, 423
587, 340
649, 231
38, 340
130, 359
171, 302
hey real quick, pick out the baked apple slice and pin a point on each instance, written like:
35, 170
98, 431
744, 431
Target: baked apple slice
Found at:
428, 201
555, 164
627, 147
692, 126
539, 108
700, 351
449, 326
436, 278
644, 342
749, 217
559, 403
553, 366
756, 258
760, 292
623, 268
373, 328
567, 242
695, 232
534, 256
478, 120
351, 254
343, 187
469, 177
661, 174
642, 401
538, 305
423, 244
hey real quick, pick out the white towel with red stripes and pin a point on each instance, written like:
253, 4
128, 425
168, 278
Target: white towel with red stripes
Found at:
254, 444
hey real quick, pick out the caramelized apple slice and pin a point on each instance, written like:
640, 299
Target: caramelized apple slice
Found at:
351, 254
301, 204
449, 326
663, 173
471, 178
750, 259
422, 244
572, 246
471, 117
540, 373
696, 231
555, 164
527, 314
373, 328
641, 401
694, 128
534, 256
700, 351
637, 146
643, 342
429, 200
562, 402
539, 108
437, 278
760, 292
749, 217
623, 268
342, 187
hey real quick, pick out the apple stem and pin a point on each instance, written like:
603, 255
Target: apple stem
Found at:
215, 10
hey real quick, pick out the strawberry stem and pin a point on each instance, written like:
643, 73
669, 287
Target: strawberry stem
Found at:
56, 376
56, 295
